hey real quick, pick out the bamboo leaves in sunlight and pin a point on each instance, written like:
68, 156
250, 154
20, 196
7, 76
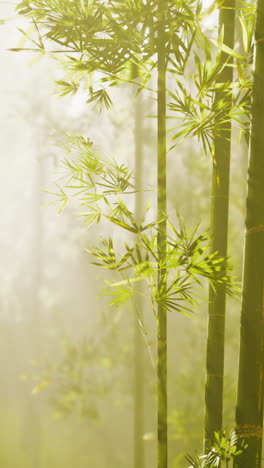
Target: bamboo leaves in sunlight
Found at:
196, 110
227, 448
187, 262
65, 87
100, 185
110, 37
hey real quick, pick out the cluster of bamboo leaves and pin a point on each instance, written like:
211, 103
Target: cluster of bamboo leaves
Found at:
226, 449
100, 185
110, 37
87, 373
79, 382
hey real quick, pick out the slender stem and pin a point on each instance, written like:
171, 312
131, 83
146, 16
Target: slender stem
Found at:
161, 203
219, 232
139, 302
249, 411
138, 387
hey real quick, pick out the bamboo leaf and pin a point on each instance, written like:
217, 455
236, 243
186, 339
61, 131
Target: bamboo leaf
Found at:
229, 51
38, 388
121, 224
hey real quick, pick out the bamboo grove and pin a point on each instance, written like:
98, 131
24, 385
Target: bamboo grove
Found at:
203, 85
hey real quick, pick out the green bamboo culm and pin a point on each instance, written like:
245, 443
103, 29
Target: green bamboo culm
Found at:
161, 240
139, 299
249, 410
219, 232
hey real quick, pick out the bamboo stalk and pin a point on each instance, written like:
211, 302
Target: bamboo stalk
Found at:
161, 204
219, 232
139, 301
249, 410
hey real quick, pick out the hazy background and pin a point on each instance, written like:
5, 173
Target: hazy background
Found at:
53, 326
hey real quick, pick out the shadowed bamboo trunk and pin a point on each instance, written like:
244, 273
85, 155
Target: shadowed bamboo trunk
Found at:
219, 232
161, 204
139, 300
249, 411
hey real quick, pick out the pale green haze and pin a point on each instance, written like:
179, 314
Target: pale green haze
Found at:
105, 241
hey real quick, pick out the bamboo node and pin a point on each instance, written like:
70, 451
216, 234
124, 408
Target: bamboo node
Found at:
250, 431
259, 228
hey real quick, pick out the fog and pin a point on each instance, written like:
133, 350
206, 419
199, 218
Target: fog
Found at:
66, 393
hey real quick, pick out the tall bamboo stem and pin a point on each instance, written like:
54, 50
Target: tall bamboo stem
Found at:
161, 204
249, 410
138, 312
219, 232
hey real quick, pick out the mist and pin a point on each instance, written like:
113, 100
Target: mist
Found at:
67, 353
